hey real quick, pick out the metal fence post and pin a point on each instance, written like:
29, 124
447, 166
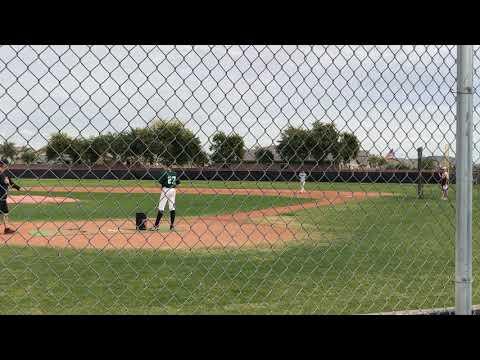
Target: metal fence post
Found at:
463, 250
420, 176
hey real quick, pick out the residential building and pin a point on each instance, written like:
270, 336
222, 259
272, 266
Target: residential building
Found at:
360, 162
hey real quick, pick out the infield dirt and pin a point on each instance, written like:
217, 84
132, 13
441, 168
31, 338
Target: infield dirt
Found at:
238, 230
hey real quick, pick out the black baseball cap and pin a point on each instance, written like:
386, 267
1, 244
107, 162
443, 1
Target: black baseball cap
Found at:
3, 162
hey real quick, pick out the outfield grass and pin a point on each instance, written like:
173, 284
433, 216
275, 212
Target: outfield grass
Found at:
293, 185
390, 253
120, 206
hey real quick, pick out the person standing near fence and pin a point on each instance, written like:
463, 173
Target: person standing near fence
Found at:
169, 181
303, 177
5, 183
444, 180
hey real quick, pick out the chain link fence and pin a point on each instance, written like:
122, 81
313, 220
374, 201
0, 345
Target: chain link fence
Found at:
229, 179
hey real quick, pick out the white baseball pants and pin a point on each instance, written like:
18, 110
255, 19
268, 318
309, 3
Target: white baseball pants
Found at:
167, 196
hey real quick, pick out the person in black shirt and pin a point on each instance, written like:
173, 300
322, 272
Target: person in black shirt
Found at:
5, 183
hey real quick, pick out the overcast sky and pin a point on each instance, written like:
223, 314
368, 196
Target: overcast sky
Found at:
399, 97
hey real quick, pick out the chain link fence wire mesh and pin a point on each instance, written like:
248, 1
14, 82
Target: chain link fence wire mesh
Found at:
91, 132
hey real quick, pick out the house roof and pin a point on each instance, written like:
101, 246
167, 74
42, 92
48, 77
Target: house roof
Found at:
390, 155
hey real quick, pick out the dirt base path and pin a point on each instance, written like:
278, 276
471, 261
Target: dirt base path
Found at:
39, 199
238, 230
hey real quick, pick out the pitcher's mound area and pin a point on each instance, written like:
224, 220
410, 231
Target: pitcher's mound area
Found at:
195, 233
39, 199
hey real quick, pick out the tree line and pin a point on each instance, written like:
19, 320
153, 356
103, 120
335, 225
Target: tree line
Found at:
160, 142
170, 142
375, 161
323, 143
9, 151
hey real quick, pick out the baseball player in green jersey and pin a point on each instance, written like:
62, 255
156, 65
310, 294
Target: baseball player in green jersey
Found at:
169, 181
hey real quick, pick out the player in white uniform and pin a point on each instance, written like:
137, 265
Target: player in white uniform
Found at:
302, 177
169, 182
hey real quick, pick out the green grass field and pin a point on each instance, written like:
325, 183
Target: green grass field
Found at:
390, 253
93, 206
402, 188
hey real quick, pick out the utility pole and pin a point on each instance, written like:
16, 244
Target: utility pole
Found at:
419, 176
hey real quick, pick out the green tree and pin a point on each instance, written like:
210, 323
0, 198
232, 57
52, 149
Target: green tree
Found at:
8, 150
121, 146
80, 151
349, 146
89, 151
397, 165
382, 161
264, 156
169, 142
101, 147
376, 161
28, 156
324, 141
295, 145
126, 146
200, 158
429, 164
227, 149
403, 166
67, 149
139, 146
172, 143
58, 146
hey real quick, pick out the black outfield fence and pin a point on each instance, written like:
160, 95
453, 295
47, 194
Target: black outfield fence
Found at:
139, 173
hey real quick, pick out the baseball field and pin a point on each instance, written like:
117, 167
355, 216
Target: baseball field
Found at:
239, 248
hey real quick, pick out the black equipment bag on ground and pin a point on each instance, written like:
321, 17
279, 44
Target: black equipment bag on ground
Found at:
140, 221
